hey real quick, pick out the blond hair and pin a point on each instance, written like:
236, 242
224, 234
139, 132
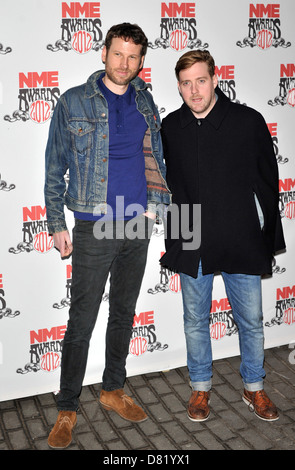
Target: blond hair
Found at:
192, 57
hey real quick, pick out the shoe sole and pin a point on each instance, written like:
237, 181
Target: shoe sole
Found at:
245, 400
198, 420
59, 448
110, 408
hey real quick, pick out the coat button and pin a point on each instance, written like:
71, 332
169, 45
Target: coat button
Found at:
104, 136
102, 180
104, 159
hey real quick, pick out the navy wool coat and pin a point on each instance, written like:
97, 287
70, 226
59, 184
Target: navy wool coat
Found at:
220, 162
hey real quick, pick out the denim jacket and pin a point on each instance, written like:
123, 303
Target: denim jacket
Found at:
78, 142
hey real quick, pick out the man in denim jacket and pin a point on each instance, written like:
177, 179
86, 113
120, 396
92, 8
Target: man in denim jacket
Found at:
106, 134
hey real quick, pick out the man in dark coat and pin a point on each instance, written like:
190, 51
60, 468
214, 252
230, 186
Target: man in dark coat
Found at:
220, 159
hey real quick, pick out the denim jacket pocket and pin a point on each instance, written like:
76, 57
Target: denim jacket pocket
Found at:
82, 135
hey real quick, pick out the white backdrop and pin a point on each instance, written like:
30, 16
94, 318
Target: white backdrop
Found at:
47, 47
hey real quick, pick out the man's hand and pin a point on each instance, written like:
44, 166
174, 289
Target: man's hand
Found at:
62, 242
150, 215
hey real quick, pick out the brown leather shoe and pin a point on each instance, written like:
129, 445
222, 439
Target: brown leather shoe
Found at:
61, 434
198, 406
262, 406
119, 402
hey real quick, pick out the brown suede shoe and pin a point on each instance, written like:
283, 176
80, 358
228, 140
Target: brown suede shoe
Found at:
123, 405
262, 406
198, 406
61, 434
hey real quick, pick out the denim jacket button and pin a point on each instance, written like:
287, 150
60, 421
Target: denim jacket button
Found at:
104, 136
104, 159
102, 180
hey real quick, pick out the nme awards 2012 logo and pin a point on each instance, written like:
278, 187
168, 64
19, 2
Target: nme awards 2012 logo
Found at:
286, 87
178, 27
221, 319
226, 81
80, 28
45, 350
287, 198
144, 337
46, 345
264, 27
38, 95
284, 308
168, 282
35, 234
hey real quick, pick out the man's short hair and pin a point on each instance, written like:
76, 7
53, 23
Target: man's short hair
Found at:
192, 57
127, 31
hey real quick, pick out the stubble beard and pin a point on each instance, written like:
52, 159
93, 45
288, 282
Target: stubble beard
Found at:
111, 74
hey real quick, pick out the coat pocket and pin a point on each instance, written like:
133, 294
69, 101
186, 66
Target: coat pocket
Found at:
259, 211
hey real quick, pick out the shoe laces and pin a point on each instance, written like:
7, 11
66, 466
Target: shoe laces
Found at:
200, 397
265, 400
126, 399
65, 420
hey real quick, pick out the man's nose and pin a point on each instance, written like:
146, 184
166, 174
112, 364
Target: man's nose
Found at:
194, 88
124, 62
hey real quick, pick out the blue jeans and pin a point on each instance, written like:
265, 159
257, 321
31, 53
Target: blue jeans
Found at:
93, 260
244, 294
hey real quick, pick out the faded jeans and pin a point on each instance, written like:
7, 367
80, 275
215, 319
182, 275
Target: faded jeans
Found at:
244, 294
92, 262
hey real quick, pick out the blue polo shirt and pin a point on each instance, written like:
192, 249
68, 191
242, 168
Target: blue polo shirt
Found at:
126, 171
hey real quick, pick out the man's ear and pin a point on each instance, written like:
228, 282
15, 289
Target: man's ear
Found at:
104, 54
141, 62
215, 81
178, 86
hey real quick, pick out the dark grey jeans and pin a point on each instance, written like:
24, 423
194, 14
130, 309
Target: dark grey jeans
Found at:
92, 261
